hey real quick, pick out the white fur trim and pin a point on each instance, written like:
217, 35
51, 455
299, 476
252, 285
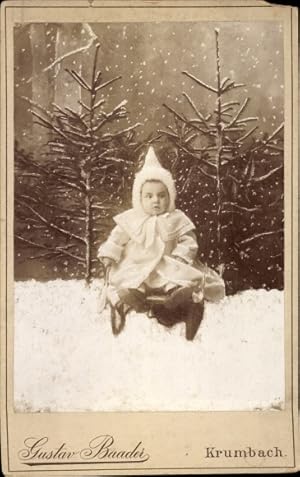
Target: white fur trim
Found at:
157, 174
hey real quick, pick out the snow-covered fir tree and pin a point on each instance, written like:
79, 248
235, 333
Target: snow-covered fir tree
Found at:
67, 201
230, 182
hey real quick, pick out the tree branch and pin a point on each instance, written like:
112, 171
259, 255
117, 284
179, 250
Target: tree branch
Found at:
229, 104
231, 86
242, 208
256, 236
38, 106
81, 81
47, 173
50, 224
123, 131
69, 53
50, 250
265, 142
210, 88
29, 242
200, 116
69, 254
235, 118
187, 121
171, 134
49, 125
246, 120
207, 174
103, 85
270, 173
242, 138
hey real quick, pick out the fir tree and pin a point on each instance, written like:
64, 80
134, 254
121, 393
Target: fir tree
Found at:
225, 176
69, 198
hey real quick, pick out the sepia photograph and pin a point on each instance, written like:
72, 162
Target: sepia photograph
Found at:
149, 216
149, 229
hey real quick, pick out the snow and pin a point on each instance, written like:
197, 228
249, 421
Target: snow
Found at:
75, 363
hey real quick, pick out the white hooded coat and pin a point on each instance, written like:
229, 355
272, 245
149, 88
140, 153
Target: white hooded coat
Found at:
145, 248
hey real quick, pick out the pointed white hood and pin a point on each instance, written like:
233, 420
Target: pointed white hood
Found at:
152, 170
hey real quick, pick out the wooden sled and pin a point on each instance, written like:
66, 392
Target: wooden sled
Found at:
191, 314
154, 306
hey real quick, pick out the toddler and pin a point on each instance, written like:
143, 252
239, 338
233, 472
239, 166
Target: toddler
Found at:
153, 249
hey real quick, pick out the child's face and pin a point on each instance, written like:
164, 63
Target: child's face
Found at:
155, 198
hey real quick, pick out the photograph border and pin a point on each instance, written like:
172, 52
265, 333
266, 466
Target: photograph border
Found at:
6, 252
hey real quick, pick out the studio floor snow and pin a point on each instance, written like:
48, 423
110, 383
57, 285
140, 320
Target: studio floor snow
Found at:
67, 359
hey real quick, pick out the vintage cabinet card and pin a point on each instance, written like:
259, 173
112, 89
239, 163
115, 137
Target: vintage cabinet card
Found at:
149, 241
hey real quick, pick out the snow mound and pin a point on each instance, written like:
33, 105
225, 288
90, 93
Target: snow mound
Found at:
67, 359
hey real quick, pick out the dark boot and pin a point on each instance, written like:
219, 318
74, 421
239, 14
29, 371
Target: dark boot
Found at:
194, 316
180, 296
164, 316
133, 298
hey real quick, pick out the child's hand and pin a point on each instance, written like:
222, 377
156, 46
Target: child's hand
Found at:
106, 262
